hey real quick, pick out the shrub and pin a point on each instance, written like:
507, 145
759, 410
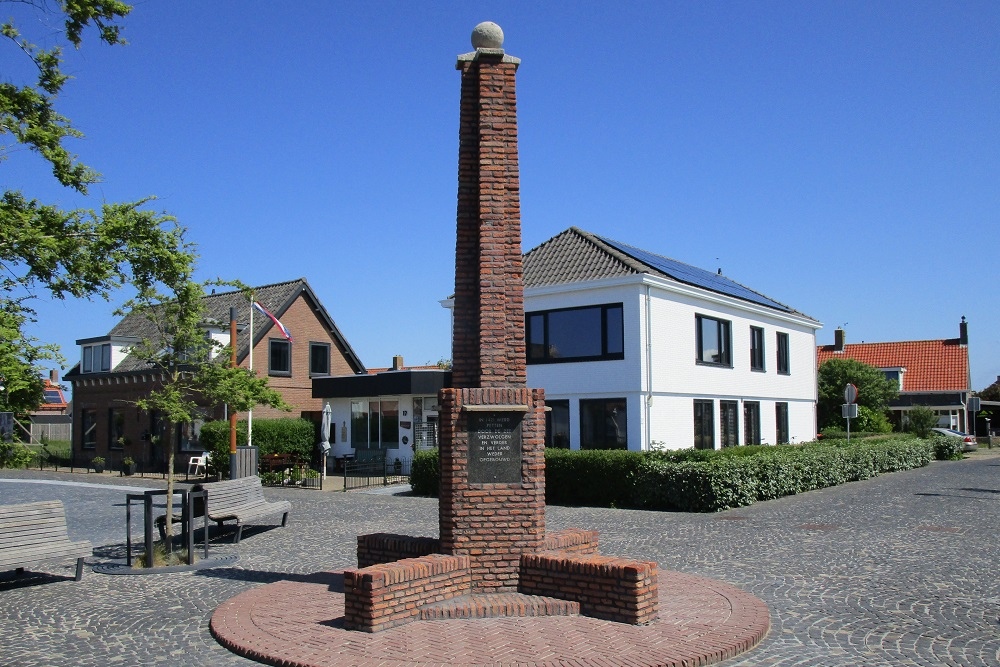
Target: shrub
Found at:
920, 420
946, 447
270, 436
593, 478
872, 421
425, 475
14, 455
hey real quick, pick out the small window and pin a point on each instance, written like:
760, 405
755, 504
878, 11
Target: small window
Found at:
714, 341
592, 333
279, 357
557, 424
751, 422
603, 424
756, 349
704, 425
116, 428
105, 357
88, 428
88, 359
319, 358
729, 423
784, 364
781, 423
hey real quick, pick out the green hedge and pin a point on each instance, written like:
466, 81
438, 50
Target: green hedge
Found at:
706, 480
271, 436
425, 478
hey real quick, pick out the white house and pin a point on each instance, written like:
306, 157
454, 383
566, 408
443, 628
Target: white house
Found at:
635, 350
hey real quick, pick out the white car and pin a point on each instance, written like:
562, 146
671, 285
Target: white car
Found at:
969, 441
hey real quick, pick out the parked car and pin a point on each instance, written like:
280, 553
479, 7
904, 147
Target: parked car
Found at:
969, 441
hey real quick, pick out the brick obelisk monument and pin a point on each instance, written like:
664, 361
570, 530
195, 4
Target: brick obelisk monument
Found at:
492, 449
493, 556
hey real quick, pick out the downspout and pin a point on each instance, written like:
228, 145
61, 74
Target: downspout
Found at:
649, 369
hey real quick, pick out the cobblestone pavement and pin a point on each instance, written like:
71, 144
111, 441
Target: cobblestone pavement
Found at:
898, 570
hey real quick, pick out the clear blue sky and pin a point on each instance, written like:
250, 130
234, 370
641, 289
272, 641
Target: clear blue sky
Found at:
840, 157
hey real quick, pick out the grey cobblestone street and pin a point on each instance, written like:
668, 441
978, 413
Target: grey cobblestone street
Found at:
898, 570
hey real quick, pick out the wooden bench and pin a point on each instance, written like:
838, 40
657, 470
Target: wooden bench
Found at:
241, 500
36, 532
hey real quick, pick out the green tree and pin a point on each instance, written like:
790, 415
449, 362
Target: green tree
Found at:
191, 374
874, 389
43, 248
991, 393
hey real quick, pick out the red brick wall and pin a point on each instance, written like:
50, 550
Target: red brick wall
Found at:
614, 589
305, 327
384, 596
492, 523
572, 541
386, 547
488, 332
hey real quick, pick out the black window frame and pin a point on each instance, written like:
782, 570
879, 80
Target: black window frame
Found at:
316, 345
587, 429
781, 432
724, 333
704, 424
559, 411
751, 422
757, 353
271, 370
88, 427
784, 354
608, 317
729, 434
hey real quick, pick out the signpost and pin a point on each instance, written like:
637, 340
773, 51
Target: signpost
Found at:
850, 408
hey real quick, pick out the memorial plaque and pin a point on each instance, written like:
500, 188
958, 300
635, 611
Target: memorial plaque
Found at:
495, 447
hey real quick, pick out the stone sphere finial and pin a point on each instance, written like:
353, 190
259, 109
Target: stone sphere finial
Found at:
487, 35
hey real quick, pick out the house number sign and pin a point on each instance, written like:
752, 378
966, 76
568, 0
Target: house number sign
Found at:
495, 448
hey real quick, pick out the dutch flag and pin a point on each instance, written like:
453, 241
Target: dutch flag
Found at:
274, 319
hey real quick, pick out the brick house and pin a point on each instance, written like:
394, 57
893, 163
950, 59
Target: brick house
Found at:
931, 373
108, 380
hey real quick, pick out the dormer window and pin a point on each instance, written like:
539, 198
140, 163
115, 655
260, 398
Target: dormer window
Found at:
96, 358
895, 375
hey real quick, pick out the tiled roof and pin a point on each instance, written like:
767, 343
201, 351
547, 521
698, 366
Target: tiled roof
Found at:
275, 298
576, 255
931, 365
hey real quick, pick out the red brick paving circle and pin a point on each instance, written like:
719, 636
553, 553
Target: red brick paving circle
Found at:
300, 624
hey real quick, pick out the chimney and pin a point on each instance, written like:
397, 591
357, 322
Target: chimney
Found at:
838, 340
54, 376
397, 362
963, 332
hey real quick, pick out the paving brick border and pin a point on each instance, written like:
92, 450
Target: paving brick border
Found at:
300, 624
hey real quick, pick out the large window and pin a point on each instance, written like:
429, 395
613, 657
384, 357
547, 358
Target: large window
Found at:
557, 424
784, 364
751, 422
729, 423
756, 349
714, 341
374, 424
88, 428
592, 333
279, 357
603, 424
704, 425
781, 423
319, 358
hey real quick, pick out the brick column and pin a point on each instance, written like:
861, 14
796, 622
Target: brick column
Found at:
488, 334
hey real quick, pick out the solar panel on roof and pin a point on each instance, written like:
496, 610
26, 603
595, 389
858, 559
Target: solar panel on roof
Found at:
53, 396
692, 275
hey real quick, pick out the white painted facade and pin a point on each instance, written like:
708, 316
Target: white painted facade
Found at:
660, 378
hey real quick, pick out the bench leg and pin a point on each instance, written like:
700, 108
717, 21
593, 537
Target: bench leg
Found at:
284, 519
79, 569
239, 533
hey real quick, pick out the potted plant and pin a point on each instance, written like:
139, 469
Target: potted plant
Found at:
97, 463
310, 478
128, 466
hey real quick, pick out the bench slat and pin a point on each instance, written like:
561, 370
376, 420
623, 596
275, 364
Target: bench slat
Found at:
36, 532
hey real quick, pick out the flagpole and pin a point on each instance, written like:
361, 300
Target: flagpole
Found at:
250, 413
